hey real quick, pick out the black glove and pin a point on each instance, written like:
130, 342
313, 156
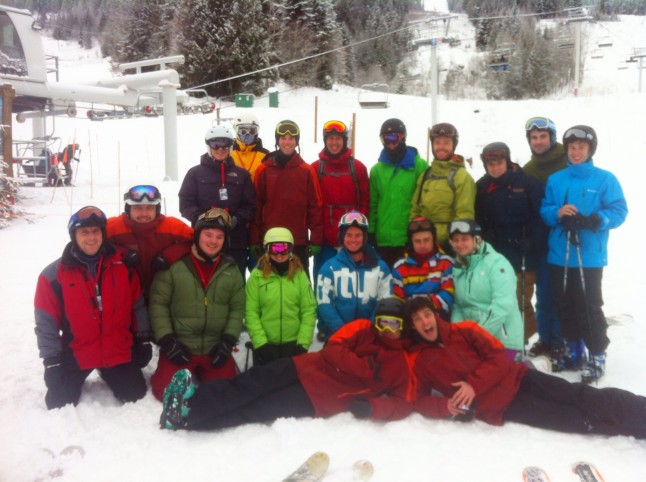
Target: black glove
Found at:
573, 223
54, 372
372, 239
592, 222
360, 408
131, 258
142, 351
266, 353
525, 246
176, 351
221, 351
159, 263
293, 349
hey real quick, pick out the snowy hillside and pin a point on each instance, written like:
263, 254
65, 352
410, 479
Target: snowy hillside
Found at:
124, 443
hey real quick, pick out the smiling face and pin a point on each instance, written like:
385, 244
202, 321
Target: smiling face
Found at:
89, 239
219, 154
577, 151
463, 244
334, 144
287, 144
211, 241
496, 167
353, 239
143, 213
539, 141
443, 148
425, 324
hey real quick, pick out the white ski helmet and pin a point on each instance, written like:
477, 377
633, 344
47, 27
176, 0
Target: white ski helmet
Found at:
245, 118
218, 132
246, 126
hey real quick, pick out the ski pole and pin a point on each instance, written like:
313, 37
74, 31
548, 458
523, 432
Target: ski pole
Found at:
522, 287
248, 345
567, 259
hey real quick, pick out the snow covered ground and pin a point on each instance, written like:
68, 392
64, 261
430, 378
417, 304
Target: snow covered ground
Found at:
124, 442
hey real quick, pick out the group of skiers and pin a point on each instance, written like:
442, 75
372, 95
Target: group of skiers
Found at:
455, 249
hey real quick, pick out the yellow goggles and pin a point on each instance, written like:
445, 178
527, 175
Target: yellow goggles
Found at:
394, 324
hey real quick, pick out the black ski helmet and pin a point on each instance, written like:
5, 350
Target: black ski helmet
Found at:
392, 125
420, 224
213, 218
390, 307
495, 150
444, 129
465, 226
285, 127
335, 128
581, 133
85, 217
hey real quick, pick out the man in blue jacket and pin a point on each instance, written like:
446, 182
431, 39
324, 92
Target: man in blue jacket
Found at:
350, 284
582, 203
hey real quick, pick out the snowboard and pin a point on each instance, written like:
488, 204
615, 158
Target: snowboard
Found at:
311, 470
587, 472
535, 474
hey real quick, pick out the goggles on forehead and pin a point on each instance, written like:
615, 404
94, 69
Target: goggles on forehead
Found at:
335, 126
578, 134
392, 137
494, 156
353, 217
420, 225
394, 324
285, 128
142, 192
216, 216
86, 215
461, 227
247, 129
220, 143
540, 123
279, 248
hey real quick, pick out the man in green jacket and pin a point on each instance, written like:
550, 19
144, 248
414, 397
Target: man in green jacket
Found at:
446, 191
392, 183
197, 306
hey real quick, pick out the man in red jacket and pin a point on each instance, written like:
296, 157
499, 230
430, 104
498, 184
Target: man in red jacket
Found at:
288, 195
468, 368
152, 241
359, 364
90, 314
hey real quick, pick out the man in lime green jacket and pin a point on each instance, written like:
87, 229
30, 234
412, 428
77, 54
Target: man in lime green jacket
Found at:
392, 183
446, 191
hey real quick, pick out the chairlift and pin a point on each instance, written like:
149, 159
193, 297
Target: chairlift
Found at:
374, 96
605, 42
596, 54
38, 162
499, 60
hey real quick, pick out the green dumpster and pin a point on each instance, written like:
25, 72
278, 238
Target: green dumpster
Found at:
244, 100
273, 97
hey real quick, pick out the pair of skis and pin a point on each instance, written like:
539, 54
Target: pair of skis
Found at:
316, 466
586, 472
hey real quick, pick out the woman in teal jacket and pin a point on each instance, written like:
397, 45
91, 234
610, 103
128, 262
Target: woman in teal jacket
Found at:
280, 310
485, 287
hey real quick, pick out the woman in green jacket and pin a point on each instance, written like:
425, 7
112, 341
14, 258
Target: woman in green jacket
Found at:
280, 310
485, 287
196, 307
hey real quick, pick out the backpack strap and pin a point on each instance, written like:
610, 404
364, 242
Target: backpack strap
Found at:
450, 178
353, 173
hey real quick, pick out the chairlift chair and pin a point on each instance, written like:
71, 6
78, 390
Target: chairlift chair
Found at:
374, 96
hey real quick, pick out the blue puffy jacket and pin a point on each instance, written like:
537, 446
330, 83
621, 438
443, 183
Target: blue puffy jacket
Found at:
591, 190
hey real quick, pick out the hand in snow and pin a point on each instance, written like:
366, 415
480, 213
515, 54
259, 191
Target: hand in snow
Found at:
463, 396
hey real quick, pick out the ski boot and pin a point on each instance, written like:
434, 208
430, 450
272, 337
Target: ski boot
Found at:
177, 397
568, 356
539, 348
595, 368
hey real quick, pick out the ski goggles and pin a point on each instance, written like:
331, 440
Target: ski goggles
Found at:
217, 217
287, 128
443, 130
335, 126
421, 224
463, 227
540, 123
141, 193
493, 156
220, 143
354, 217
89, 215
279, 248
577, 134
394, 324
392, 138
247, 130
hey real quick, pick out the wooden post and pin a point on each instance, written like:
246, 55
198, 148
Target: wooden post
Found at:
8, 94
353, 127
316, 116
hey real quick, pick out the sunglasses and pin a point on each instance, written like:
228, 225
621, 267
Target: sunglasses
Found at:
279, 248
354, 217
220, 143
285, 128
420, 225
493, 156
393, 324
139, 193
335, 126
247, 130
392, 138
540, 123
579, 134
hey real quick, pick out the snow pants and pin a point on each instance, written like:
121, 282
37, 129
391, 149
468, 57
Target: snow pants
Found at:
549, 328
260, 395
580, 310
126, 382
550, 402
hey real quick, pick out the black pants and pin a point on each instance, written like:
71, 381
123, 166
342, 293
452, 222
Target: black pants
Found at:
546, 401
580, 312
303, 254
259, 395
240, 257
126, 382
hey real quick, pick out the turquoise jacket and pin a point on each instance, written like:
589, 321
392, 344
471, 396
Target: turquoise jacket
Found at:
485, 292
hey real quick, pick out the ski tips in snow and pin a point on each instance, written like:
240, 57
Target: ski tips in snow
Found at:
587, 472
311, 470
535, 474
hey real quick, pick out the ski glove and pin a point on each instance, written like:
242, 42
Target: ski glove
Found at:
313, 250
221, 351
292, 349
266, 353
131, 258
592, 222
573, 223
159, 263
54, 372
142, 351
176, 351
360, 408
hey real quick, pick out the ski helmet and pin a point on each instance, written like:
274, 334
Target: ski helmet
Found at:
335, 128
85, 217
444, 129
219, 137
420, 224
390, 315
465, 226
214, 218
495, 151
541, 124
278, 235
353, 218
286, 127
142, 194
392, 127
581, 133
246, 126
